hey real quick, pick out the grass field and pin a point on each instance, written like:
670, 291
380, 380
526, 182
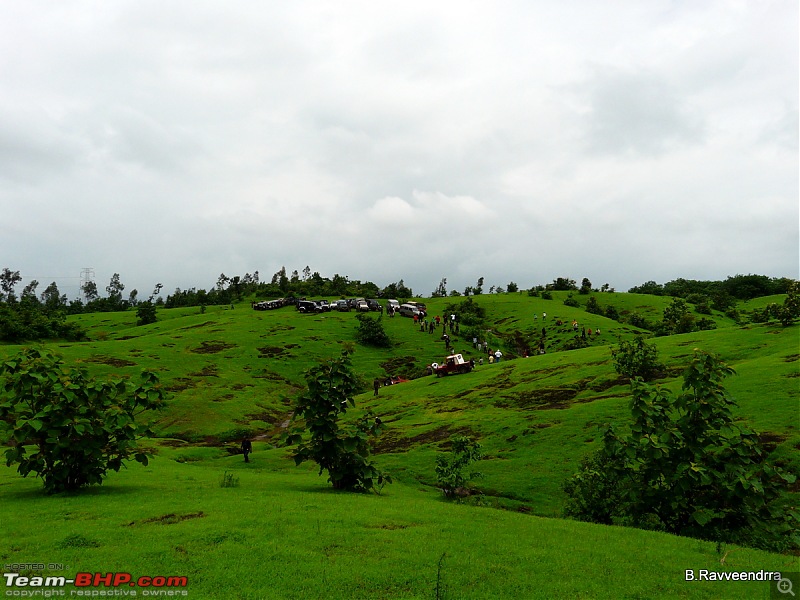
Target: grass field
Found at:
283, 533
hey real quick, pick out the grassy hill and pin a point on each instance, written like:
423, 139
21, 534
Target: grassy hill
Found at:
282, 533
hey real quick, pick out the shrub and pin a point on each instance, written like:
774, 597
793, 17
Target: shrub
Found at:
371, 332
450, 469
81, 427
145, 313
571, 301
547, 295
343, 453
687, 468
593, 307
637, 358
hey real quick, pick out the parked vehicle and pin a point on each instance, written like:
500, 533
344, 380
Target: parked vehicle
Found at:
409, 310
362, 306
392, 304
452, 364
422, 307
373, 305
324, 305
308, 306
342, 305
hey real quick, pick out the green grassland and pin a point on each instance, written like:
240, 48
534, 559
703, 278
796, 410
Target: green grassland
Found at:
283, 533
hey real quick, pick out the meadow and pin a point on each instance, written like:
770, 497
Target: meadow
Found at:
282, 532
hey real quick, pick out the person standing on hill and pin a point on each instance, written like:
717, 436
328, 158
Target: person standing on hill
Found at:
376, 385
247, 448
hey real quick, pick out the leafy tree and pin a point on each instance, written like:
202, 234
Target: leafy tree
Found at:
29, 293
114, 289
441, 289
586, 286
371, 332
450, 469
593, 307
687, 468
564, 284
342, 452
145, 313
478, 289
89, 290
81, 427
8, 281
677, 318
637, 358
571, 301
52, 299
512, 287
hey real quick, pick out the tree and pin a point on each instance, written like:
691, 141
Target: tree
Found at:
342, 452
145, 313
677, 318
478, 289
450, 469
52, 298
371, 332
637, 359
593, 307
441, 289
512, 287
81, 427
114, 289
687, 467
8, 280
586, 286
563, 284
89, 290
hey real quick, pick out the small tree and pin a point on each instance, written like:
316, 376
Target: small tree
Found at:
450, 469
342, 452
81, 427
637, 359
371, 332
687, 468
145, 313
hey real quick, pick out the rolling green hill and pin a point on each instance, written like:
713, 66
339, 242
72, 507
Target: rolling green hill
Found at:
283, 533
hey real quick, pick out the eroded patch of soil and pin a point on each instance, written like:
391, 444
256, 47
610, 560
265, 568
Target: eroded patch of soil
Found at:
275, 351
539, 399
769, 441
207, 371
111, 361
169, 519
180, 383
212, 347
391, 442
198, 325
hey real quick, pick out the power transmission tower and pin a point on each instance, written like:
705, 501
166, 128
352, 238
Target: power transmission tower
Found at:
87, 275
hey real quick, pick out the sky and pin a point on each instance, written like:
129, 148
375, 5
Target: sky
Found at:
623, 141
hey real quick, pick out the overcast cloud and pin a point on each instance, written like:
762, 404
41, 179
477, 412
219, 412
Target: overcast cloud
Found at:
621, 141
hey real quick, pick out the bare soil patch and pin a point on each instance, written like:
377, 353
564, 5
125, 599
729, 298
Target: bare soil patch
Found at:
169, 519
207, 371
275, 351
769, 440
111, 361
212, 347
540, 399
391, 442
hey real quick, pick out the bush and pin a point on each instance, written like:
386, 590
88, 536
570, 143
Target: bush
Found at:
593, 307
570, 301
81, 427
450, 469
687, 468
343, 453
637, 358
145, 313
371, 332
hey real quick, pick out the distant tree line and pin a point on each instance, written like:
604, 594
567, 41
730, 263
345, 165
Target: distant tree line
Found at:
721, 293
32, 317
308, 284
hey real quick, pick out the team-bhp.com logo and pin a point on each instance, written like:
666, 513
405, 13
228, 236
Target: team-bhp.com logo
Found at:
149, 586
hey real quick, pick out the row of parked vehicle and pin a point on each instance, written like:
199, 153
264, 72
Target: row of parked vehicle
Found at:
409, 309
